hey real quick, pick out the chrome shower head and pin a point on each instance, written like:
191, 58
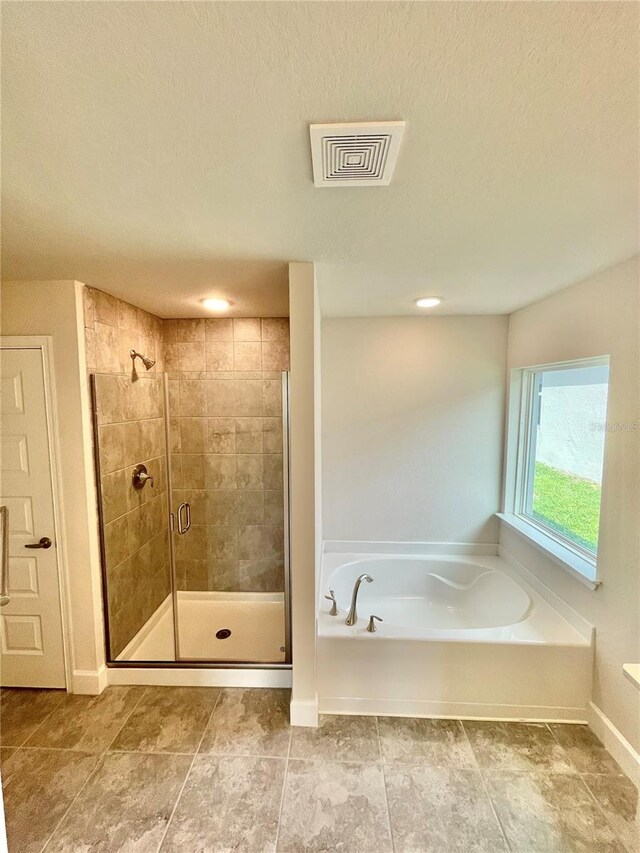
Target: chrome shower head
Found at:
148, 362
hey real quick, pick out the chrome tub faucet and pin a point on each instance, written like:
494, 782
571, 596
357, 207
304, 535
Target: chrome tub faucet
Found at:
352, 616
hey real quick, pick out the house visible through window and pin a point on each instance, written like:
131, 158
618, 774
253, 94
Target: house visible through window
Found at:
565, 453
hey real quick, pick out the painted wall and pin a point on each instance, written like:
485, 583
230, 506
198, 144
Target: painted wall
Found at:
55, 308
412, 421
304, 488
599, 316
225, 409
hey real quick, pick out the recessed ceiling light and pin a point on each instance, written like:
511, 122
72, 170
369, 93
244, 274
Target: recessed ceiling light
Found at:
216, 304
428, 301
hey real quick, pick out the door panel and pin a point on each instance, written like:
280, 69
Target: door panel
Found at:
31, 643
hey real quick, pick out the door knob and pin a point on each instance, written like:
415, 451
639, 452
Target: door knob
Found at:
45, 542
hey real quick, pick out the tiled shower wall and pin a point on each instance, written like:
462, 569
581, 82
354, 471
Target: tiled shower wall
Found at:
130, 430
225, 409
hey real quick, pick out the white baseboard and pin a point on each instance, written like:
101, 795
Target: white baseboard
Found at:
89, 682
199, 677
615, 743
304, 712
450, 710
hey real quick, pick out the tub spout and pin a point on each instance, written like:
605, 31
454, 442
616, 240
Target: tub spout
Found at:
352, 616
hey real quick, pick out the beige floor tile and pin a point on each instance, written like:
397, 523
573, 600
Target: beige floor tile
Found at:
87, 723
619, 799
249, 722
168, 719
434, 742
228, 803
584, 749
549, 813
39, 785
517, 746
333, 806
22, 710
437, 809
125, 806
339, 738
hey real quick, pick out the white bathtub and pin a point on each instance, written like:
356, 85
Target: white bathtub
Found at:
420, 594
462, 635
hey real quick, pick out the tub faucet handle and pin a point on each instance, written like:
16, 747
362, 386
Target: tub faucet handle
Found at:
334, 606
371, 627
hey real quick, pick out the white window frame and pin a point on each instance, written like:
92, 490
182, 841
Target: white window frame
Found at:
581, 563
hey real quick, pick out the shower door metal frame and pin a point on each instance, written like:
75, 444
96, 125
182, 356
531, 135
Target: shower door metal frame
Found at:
173, 515
190, 663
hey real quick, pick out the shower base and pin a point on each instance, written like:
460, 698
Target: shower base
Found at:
255, 622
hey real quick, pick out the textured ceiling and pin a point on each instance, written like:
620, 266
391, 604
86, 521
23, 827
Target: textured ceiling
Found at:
160, 150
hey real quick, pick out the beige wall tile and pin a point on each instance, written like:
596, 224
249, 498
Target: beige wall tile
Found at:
247, 355
248, 397
171, 357
219, 355
90, 349
273, 506
275, 355
221, 507
246, 329
275, 329
250, 507
249, 471
220, 472
193, 433
107, 349
111, 447
220, 398
221, 435
114, 495
127, 316
272, 471
218, 329
89, 309
116, 541
272, 435
105, 308
109, 397
192, 397
272, 390
191, 356
193, 471
249, 435
190, 331
221, 542
170, 331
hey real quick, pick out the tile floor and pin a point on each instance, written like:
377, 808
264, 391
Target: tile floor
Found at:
201, 769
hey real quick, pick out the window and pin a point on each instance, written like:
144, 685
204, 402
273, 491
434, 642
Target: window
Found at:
556, 483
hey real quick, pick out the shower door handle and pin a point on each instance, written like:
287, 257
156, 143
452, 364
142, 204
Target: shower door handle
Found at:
184, 517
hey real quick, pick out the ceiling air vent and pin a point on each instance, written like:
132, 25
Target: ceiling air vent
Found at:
355, 155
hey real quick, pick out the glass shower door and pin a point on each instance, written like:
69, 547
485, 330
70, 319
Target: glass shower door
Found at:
228, 455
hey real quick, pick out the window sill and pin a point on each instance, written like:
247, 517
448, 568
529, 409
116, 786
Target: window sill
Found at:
576, 566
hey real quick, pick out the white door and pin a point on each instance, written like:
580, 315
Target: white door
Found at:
31, 641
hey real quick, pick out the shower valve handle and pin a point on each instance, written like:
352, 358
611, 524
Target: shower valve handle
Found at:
141, 477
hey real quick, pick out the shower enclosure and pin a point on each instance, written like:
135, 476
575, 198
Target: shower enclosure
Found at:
192, 471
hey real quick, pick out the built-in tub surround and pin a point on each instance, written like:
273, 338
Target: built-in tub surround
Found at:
462, 635
225, 417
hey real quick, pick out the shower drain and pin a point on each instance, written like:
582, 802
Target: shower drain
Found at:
223, 633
